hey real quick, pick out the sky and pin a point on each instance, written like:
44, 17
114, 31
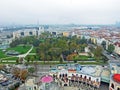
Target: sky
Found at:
59, 11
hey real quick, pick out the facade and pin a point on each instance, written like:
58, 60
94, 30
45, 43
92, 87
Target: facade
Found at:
117, 48
115, 82
115, 76
75, 73
28, 32
94, 40
66, 34
30, 84
4, 42
87, 49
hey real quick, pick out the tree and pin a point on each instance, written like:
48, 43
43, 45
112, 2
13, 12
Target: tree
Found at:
44, 49
32, 59
98, 53
83, 40
82, 47
110, 48
103, 44
23, 74
28, 59
2, 66
16, 72
61, 60
17, 61
31, 70
75, 61
89, 41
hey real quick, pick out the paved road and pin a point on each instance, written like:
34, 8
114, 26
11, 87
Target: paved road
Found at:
117, 58
104, 86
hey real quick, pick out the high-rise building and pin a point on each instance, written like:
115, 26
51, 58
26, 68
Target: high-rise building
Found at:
28, 32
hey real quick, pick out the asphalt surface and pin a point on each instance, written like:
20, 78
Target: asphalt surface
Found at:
104, 86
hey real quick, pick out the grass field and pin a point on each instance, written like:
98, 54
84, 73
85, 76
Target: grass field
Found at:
33, 50
10, 58
21, 49
82, 58
2, 54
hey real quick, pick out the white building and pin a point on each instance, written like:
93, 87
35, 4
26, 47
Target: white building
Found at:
117, 48
28, 32
115, 75
100, 40
115, 82
87, 49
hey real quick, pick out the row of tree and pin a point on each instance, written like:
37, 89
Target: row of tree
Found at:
54, 48
110, 47
25, 40
49, 47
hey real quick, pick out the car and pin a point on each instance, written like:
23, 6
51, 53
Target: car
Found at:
108, 53
5, 83
10, 81
2, 82
112, 56
2, 72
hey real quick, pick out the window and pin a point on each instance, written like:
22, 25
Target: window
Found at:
35, 88
112, 85
89, 78
97, 80
118, 88
30, 89
22, 33
30, 33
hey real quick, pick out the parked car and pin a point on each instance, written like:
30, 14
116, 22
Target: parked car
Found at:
5, 83
112, 56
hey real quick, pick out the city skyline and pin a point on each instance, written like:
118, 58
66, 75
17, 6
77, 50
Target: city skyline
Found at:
59, 11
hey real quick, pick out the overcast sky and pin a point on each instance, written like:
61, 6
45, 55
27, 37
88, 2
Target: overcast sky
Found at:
59, 11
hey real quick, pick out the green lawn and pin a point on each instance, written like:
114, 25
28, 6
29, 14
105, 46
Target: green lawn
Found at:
10, 58
91, 63
82, 58
21, 49
8, 63
33, 50
2, 54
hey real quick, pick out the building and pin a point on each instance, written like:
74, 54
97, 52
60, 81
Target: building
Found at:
66, 34
4, 43
28, 32
115, 82
77, 73
115, 75
117, 48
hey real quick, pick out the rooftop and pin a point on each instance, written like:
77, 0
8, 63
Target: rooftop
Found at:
88, 70
116, 78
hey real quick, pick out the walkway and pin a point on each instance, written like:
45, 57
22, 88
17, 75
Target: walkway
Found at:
24, 55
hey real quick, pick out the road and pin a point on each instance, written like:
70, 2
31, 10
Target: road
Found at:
116, 58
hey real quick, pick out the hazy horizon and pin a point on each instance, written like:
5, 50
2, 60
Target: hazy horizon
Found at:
59, 11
